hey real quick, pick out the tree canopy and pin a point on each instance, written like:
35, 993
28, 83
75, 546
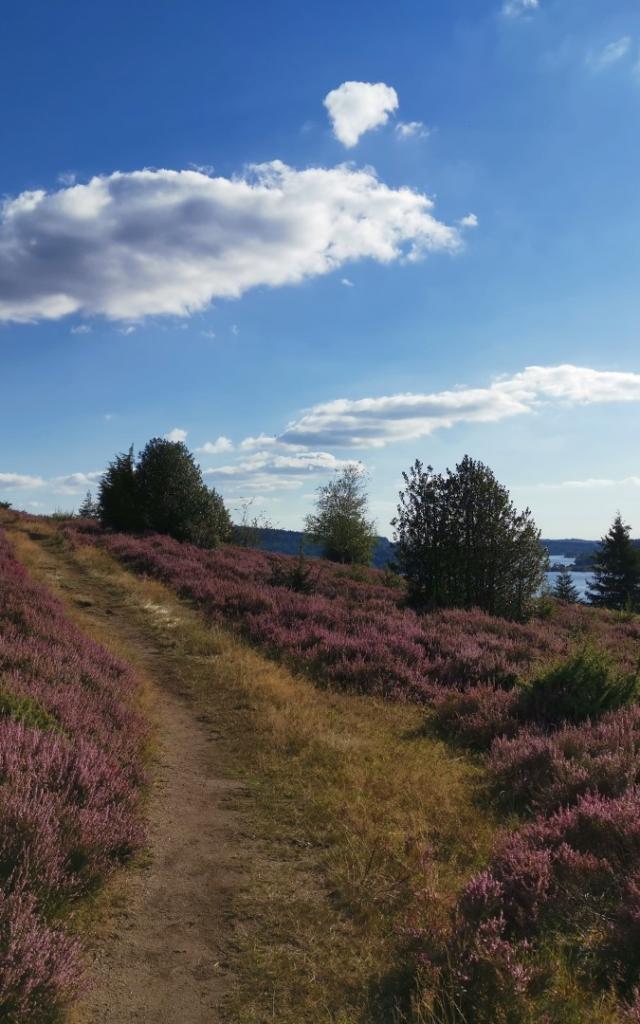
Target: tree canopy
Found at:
162, 491
616, 573
461, 542
564, 588
340, 521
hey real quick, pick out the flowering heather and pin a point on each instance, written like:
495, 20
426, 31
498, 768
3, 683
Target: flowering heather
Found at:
358, 634
70, 771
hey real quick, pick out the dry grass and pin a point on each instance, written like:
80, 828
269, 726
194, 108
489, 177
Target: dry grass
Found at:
351, 806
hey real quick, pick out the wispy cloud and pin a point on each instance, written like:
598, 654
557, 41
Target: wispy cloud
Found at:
266, 471
592, 483
81, 329
376, 422
356, 107
610, 54
411, 129
516, 8
129, 245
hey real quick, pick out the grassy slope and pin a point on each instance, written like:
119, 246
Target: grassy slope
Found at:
345, 796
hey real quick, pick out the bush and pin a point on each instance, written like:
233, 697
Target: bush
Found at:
584, 686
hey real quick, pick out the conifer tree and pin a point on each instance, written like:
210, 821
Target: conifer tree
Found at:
462, 544
89, 508
564, 588
616, 573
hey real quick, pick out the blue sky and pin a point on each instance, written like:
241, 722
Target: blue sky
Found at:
301, 235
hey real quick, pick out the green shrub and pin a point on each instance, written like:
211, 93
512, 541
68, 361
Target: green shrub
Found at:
584, 686
26, 710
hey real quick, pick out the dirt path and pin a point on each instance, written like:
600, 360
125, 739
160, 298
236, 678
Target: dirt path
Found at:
158, 952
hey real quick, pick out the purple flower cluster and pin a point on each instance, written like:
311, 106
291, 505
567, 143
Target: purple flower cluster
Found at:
70, 775
358, 634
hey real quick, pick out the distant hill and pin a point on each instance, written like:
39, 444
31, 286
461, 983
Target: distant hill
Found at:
287, 542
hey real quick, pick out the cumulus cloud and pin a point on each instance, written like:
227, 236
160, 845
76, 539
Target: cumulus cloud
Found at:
514, 8
177, 434
356, 107
376, 422
221, 444
610, 54
347, 282
409, 129
9, 481
266, 471
470, 221
148, 242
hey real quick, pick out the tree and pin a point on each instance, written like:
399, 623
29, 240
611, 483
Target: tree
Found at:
461, 542
173, 498
89, 509
118, 503
248, 532
564, 588
340, 521
616, 572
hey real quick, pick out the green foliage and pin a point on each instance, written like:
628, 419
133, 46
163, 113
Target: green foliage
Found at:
564, 588
173, 498
461, 543
584, 686
26, 710
248, 532
118, 504
616, 582
89, 509
340, 521
6, 505
163, 491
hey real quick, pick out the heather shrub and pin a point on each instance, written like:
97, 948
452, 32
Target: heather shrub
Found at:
540, 771
476, 716
70, 772
584, 686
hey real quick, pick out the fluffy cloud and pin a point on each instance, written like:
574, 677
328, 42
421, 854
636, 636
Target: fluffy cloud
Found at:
357, 107
266, 471
513, 8
9, 481
375, 422
470, 221
168, 242
221, 444
177, 434
610, 54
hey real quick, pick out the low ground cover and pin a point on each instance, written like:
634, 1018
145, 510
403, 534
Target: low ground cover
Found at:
70, 778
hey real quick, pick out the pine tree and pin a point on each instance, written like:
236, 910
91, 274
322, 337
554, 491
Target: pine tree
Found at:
462, 544
89, 508
616, 573
340, 521
564, 588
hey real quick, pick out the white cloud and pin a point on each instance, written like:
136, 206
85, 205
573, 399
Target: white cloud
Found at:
19, 480
375, 422
74, 483
81, 329
347, 282
410, 129
592, 483
168, 242
266, 471
268, 441
221, 444
610, 54
129, 329
470, 221
514, 8
177, 434
208, 334
357, 107
235, 329
67, 178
